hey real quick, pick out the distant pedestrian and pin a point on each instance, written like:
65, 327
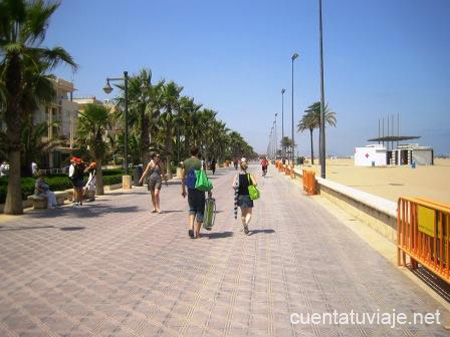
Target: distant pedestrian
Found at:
4, 169
76, 174
242, 197
213, 166
264, 165
154, 171
34, 168
41, 189
236, 164
196, 198
89, 188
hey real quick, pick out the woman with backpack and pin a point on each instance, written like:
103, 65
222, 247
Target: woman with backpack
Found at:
155, 173
241, 184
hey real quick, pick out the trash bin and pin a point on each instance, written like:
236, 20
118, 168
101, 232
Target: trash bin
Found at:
137, 173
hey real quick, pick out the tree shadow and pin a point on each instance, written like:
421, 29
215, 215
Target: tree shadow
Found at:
261, 231
112, 193
218, 235
87, 211
10, 229
69, 229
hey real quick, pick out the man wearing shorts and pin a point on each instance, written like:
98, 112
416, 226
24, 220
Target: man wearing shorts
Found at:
196, 198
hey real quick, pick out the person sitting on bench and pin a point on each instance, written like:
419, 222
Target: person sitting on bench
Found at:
41, 189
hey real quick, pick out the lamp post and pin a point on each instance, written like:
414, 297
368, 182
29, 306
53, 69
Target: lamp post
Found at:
293, 57
269, 150
276, 136
282, 119
322, 101
108, 89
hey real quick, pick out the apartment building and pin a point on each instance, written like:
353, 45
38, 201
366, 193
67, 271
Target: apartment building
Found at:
61, 117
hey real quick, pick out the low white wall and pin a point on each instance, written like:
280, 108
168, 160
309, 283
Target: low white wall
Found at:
377, 212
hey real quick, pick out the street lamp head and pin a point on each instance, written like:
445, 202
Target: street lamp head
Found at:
294, 56
283, 91
107, 88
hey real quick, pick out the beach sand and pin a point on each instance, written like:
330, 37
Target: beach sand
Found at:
431, 182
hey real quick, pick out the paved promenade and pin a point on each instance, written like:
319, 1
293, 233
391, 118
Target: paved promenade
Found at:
112, 268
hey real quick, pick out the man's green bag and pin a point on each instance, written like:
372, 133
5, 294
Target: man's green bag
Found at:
203, 183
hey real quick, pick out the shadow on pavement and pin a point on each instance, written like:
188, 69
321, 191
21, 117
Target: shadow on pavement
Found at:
261, 231
7, 229
218, 235
87, 211
172, 211
69, 229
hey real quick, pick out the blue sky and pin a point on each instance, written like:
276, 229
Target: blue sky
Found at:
381, 57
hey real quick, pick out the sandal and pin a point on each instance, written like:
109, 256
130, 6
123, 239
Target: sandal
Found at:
246, 229
191, 233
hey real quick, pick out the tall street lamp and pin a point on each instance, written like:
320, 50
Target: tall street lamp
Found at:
282, 118
269, 149
276, 136
322, 101
293, 57
126, 180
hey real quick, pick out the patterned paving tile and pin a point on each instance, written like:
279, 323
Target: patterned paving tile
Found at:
120, 270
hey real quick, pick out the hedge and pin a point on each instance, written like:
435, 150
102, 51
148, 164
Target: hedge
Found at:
57, 182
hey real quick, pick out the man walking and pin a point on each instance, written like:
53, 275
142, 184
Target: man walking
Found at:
196, 198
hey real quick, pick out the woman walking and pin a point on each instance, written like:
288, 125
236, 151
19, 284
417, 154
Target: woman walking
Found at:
76, 174
242, 198
155, 173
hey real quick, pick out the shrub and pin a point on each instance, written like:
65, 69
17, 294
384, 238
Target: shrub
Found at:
112, 179
56, 182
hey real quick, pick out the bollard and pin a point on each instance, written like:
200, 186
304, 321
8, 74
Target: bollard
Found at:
309, 182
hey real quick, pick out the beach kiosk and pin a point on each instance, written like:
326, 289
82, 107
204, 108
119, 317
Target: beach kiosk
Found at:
371, 155
384, 153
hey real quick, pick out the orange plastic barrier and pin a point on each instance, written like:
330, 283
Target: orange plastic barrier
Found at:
287, 171
309, 182
423, 234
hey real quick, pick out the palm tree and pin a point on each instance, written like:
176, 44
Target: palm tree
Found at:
34, 144
144, 105
188, 110
23, 25
308, 122
170, 102
286, 143
311, 121
92, 125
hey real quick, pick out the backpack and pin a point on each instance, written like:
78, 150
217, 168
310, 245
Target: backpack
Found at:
191, 179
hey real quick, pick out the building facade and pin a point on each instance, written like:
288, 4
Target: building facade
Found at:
61, 117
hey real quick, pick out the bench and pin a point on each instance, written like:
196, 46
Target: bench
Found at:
40, 202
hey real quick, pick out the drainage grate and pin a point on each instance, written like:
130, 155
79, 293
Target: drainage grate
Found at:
439, 286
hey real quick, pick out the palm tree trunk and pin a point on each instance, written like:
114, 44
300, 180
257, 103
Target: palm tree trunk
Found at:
169, 147
187, 146
99, 189
312, 146
13, 118
13, 204
145, 140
